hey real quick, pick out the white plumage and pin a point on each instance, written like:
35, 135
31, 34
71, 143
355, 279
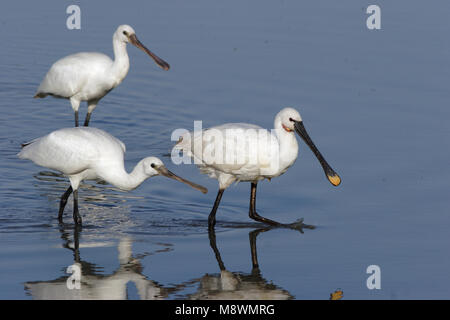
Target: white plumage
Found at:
89, 76
89, 153
79, 153
244, 152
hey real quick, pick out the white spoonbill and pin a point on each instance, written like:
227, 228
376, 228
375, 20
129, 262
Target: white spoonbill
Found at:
89, 76
85, 153
244, 152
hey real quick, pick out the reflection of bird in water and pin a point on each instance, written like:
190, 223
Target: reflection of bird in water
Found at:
94, 285
239, 286
97, 286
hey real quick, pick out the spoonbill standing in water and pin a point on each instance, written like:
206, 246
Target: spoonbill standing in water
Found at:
89, 76
86, 153
263, 155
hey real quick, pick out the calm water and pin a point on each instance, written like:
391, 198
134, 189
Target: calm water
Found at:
375, 102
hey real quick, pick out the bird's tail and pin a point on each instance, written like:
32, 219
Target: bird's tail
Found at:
39, 95
23, 145
24, 150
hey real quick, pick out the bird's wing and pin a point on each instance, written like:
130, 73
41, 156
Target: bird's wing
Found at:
69, 150
235, 148
68, 75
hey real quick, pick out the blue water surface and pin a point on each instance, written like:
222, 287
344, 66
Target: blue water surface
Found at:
376, 103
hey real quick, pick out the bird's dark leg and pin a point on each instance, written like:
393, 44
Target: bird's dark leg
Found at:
297, 225
212, 215
88, 117
75, 106
62, 203
252, 212
92, 104
76, 214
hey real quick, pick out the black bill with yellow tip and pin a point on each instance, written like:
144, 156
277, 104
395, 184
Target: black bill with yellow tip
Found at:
332, 176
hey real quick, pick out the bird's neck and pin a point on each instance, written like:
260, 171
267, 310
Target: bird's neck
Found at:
121, 61
288, 146
124, 180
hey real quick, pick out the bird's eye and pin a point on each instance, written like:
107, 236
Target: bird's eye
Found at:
153, 165
292, 120
125, 33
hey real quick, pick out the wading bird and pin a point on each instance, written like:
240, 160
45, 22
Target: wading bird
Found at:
86, 153
254, 154
89, 76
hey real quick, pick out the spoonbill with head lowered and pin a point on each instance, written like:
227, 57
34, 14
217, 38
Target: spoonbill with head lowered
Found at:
89, 76
262, 154
86, 153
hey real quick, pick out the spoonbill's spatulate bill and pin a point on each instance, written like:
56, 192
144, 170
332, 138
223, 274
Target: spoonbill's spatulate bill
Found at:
89, 76
86, 153
244, 152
